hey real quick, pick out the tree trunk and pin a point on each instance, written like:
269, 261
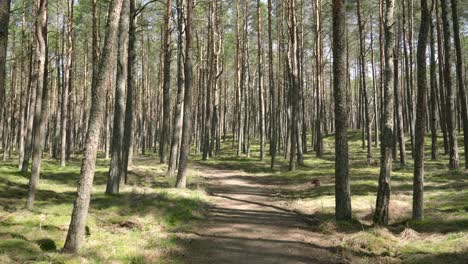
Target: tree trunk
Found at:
383, 192
131, 84
273, 93
178, 118
461, 84
450, 96
66, 88
363, 64
342, 183
261, 102
433, 74
421, 106
4, 25
88, 166
187, 126
40, 114
167, 54
115, 168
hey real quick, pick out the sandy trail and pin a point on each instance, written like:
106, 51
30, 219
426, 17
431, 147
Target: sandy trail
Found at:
244, 225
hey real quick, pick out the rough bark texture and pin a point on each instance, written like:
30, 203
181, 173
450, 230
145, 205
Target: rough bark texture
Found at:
271, 77
115, 168
4, 22
66, 87
450, 95
261, 101
293, 79
178, 118
131, 83
342, 184
421, 106
461, 84
363, 64
41, 107
383, 192
88, 166
433, 74
167, 54
187, 126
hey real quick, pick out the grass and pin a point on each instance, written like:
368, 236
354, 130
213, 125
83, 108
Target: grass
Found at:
136, 226
139, 224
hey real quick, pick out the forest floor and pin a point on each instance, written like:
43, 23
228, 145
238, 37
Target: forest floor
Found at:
236, 210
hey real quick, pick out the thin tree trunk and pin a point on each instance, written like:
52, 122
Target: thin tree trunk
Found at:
167, 54
363, 64
4, 25
66, 87
261, 101
178, 118
115, 168
433, 74
40, 114
383, 192
450, 96
187, 126
131, 84
461, 84
273, 93
421, 106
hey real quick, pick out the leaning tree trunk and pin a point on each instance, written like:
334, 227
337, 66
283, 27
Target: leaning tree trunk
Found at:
88, 165
115, 168
450, 95
41, 108
342, 184
187, 126
383, 192
421, 106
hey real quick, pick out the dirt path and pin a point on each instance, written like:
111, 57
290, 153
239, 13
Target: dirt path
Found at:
244, 225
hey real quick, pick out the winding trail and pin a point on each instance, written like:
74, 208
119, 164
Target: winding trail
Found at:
244, 225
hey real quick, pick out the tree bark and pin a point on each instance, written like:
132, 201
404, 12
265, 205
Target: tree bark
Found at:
131, 84
88, 166
261, 101
115, 168
4, 25
273, 93
41, 108
178, 118
433, 74
362, 52
461, 84
187, 126
421, 106
342, 183
66, 87
167, 54
450, 96
383, 192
